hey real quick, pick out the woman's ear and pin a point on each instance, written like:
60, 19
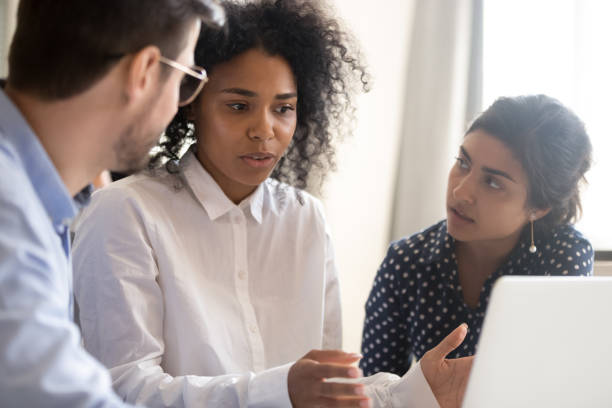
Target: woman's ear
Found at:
537, 213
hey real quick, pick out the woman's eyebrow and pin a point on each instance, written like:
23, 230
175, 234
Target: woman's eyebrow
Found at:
287, 95
487, 169
240, 91
251, 94
465, 153
498, 173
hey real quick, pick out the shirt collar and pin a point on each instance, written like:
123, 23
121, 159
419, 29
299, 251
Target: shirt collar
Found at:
255, 202
210, 195
437, 248
43, 175
515, 264
84, 196
444, 249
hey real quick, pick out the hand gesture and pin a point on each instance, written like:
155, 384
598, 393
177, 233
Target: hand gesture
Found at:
447, 377
308, 388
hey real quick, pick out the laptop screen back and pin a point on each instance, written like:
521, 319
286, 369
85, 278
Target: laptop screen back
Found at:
545, 342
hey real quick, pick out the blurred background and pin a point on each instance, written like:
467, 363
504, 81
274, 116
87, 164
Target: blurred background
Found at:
435, 65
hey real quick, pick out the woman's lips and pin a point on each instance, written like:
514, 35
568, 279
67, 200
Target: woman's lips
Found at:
258, 160
459, 215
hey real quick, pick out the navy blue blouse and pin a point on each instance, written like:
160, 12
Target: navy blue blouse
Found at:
416, 299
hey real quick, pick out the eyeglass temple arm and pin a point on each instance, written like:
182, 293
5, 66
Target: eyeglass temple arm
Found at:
182, 67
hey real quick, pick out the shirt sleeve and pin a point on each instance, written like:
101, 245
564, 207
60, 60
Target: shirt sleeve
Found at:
42, 363
413, 391
387, 390
566, 253
579, 256
384, 342
122, 314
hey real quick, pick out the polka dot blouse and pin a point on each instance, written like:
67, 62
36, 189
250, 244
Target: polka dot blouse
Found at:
417, 300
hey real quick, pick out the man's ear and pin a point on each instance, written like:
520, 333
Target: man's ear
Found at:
143, 73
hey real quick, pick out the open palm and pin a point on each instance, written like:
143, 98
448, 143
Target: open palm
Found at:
447, 377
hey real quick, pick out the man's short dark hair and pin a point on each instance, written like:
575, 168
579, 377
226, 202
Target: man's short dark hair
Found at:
62, 47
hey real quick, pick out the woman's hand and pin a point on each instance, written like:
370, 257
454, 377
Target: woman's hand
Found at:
447, 377
308, 388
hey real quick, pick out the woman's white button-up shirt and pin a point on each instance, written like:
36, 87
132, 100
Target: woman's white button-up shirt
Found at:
191, 300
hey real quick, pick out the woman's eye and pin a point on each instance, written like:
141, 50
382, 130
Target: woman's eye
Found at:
462, 163
285, 109
237, 106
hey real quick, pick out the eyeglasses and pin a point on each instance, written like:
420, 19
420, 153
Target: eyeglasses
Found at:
192, 82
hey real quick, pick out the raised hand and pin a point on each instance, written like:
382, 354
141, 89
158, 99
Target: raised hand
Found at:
447, 377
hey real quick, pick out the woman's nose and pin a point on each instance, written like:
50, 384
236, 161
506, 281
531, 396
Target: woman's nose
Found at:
262, 127
464, 190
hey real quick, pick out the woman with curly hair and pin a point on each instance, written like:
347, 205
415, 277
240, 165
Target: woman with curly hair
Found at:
207, 280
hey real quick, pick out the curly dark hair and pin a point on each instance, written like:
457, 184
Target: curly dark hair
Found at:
327, 71
552, 145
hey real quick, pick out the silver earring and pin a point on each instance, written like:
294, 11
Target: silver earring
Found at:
532, 248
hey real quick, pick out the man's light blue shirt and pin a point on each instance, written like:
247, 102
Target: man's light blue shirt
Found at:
41, 361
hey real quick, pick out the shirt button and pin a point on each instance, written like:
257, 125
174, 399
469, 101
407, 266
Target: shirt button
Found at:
242, 275
253, 329
236, 220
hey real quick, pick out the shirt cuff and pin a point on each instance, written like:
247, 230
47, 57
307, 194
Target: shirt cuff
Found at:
269, 388
413, 390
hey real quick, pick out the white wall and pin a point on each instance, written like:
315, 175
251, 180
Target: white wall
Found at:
602, 268
8, 10
358, 197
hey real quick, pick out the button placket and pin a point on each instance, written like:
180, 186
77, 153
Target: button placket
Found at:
242, 289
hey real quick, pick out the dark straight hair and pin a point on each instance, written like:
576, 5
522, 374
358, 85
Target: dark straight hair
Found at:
551, 144
62, 47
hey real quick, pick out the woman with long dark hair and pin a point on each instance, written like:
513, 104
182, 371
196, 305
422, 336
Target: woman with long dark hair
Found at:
512, 198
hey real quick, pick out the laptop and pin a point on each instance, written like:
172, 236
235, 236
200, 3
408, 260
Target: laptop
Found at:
545, 342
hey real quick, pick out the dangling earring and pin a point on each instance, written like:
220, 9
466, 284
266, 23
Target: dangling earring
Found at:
532, 248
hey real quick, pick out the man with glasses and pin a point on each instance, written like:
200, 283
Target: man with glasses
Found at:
91, 86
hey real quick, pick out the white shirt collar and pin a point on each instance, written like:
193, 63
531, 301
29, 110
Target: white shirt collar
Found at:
212, 197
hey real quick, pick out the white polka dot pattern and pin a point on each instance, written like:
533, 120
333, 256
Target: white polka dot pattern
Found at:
416, 299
